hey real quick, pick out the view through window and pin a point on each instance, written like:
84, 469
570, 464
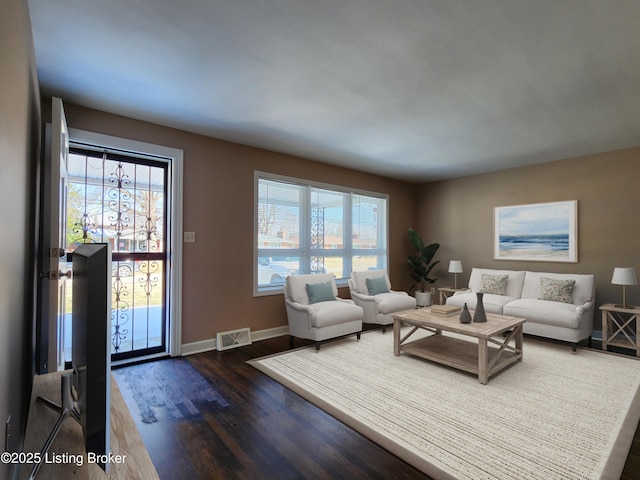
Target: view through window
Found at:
311, 228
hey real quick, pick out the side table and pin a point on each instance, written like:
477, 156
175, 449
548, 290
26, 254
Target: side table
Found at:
620, 327
446, 292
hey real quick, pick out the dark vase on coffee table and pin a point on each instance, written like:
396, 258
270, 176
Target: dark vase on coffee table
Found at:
465, 315
479, 316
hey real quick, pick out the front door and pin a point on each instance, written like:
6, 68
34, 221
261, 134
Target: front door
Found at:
104, 189
123, 199
53, 261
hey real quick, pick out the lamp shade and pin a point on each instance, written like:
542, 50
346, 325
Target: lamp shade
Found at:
455, 266
624, 276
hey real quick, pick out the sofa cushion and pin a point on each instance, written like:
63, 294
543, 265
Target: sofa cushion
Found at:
377, 285
492, 303
583, 290
360, 279
325, 314
393, 302
297, 285
496, 284
544, 311
320, 292
515, 278
556, 290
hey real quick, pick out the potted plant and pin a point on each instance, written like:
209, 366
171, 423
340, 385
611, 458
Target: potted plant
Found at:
420, 266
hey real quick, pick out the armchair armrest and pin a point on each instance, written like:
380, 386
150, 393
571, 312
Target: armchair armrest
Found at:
298, 307
362, 297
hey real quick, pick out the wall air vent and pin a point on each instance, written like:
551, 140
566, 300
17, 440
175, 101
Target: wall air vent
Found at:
233, 339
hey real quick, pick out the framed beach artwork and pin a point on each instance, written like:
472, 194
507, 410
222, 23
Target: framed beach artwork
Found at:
543, 232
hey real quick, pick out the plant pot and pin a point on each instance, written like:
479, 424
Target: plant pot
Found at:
423, 299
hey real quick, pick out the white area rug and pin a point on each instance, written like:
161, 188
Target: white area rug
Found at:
552, 416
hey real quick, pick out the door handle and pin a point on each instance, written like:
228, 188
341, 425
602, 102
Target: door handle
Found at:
57, 275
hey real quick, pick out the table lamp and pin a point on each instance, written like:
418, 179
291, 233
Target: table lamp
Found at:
455, 267
624, 276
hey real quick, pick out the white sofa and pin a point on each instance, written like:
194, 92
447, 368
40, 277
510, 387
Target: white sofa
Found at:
522, 297
380, 307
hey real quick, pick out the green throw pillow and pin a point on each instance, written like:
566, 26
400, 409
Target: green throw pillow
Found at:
320, 292
495, 284
556, 290
377, 285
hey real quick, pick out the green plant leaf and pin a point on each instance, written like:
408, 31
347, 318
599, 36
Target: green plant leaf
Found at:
429, 252
416, 240
420, 265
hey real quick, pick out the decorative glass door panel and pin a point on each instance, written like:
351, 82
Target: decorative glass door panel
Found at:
123, 200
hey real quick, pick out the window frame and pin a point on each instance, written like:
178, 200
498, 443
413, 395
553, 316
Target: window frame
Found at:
303, 251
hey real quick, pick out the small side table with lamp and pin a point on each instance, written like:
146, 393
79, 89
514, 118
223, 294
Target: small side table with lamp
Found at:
455, 267
620, 322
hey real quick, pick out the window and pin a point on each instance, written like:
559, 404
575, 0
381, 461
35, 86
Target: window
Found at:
305, 227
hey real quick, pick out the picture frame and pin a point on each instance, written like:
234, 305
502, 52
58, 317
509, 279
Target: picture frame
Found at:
541, 232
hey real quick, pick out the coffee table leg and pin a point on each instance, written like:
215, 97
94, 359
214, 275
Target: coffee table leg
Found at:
519, 341
397, 324
483, 361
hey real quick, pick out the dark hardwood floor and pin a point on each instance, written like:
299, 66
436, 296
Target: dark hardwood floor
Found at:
257, 429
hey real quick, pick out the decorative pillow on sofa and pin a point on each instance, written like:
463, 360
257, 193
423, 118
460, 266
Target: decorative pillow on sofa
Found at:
496, 284
556, 290
320, 292
377, 285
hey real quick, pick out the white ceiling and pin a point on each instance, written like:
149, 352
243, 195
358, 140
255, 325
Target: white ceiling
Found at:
413, 89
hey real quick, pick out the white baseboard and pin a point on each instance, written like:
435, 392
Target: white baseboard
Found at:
210, 344
269, 333
198, 347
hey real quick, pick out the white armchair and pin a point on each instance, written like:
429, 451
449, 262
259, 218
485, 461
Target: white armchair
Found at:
371, 289
315, 312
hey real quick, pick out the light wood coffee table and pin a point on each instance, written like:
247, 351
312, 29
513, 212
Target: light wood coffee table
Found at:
488, 350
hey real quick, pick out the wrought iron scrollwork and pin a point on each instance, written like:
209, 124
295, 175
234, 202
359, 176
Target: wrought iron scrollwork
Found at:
124, 204
150, 279
84, 226
119, 200
120, 306
149, 234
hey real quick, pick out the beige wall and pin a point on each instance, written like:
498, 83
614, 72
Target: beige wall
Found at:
19, 149
218, 206
459, 214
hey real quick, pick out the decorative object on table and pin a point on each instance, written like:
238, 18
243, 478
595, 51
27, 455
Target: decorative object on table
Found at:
420, 266
479, 316
624, 276
445, 310
465, 315
455, 267
538, 232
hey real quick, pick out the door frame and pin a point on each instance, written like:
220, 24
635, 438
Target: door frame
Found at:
82, 138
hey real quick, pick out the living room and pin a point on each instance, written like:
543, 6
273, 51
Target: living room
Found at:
217, 292
456, 213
